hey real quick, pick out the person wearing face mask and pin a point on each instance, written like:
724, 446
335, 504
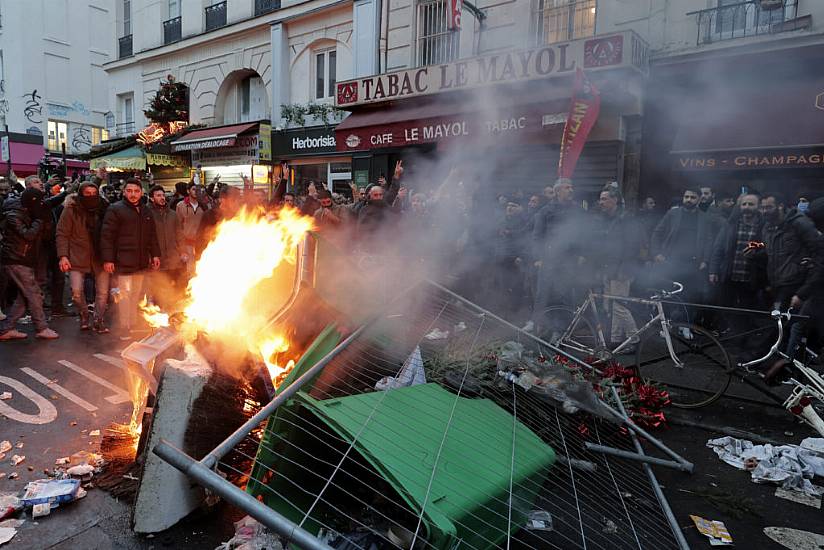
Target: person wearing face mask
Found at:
78, 233
788, 239
25, 220
803, 205
731, 271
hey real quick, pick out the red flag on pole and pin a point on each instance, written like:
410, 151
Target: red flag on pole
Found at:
583, 113
455, 9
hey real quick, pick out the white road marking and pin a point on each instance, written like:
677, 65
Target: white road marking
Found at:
116, 361
47, 412
77, 400
120, 395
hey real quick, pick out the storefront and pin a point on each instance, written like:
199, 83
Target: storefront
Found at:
498, 118
239, 154
28, 157
312, 156
165, 169
748, 120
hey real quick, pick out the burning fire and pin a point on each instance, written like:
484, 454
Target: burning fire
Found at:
223, 294
271, 349
152, 313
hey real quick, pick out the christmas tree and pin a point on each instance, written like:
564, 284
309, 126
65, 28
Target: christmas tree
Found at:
170, 104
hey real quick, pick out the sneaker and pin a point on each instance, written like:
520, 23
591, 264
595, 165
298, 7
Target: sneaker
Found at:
25, 320
13, 335
100, 326
85, 321
47, 334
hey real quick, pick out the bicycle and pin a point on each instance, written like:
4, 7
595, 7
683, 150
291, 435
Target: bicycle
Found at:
693, 351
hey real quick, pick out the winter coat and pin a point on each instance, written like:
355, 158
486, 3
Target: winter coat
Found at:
723, 249
510, 241
665, 234
166, 226
74, 240
373, 222
129, 238
22, 235
188, 222
616, 243
787, 244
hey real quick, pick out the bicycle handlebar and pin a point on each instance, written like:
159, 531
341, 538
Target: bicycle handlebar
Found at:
677, 289
779, 317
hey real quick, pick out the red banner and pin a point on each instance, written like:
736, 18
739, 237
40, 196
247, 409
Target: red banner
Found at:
455, 8
583, 113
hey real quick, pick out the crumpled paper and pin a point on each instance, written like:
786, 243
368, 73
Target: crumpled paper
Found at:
790, 466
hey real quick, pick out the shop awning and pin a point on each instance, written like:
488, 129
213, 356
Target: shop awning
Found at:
159, 159
131, 158
224, 136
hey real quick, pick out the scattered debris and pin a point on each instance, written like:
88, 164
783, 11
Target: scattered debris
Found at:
6, 534
61, 461
715, 530
13, 475
9, 504
539, 520
19, 445
5, 395
81, 470
94, 433
609, 527
53, 492
411, 374
17, 459
249, 533
800, 497
72, 423
790, 465
795, 538
5, 446
460, 327
40, 510
437, 334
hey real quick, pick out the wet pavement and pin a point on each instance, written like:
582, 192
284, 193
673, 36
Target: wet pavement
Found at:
64, 389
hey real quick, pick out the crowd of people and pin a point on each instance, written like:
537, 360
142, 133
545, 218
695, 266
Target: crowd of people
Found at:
514, 253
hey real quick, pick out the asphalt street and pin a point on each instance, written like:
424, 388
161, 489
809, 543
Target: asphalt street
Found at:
63, 390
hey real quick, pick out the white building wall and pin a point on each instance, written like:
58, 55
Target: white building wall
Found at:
56, 49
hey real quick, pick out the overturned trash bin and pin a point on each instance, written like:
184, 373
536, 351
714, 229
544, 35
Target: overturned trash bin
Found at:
416, 452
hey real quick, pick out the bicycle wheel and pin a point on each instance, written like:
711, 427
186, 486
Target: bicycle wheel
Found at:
582, 338
707, 369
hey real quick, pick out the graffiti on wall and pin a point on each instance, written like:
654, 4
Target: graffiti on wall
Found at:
81, 138
33, 111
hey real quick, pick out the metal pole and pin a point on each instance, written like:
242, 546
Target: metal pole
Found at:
662, 500
8, 162
205, 477
620, 453
212, 458
622, 417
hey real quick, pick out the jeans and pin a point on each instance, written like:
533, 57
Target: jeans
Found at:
28, 294
101, 285
131, 287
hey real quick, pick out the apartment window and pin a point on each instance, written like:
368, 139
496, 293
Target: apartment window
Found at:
128, 109
127, 17
251, 99
99, 135
436, 42
57, 135
174, 9
562, 20
325, 74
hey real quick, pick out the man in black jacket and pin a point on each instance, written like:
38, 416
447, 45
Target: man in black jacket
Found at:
25, 219
129, 248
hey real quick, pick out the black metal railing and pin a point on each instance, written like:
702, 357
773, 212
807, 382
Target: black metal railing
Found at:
171, 30
266, 6
215, 16
749, 18
124, 44
124, 129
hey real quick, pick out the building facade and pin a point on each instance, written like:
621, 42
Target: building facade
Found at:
44, 45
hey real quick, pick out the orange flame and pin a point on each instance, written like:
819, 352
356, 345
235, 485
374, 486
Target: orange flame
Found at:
152, 313
270, 350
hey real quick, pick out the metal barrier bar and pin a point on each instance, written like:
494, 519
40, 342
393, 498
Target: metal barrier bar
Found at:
205, 477
618, 415
662, 500
226, 446
620, 453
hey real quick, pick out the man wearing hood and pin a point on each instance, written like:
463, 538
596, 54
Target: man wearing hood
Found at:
788, 239
25, 219
78, 239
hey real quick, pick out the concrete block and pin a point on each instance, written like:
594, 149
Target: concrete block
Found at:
165, 495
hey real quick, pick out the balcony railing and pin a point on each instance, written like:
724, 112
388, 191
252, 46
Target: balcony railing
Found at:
171, 31
750, 18
215, 16
558, 23
124, 44
124, 129
266, 6
436, 42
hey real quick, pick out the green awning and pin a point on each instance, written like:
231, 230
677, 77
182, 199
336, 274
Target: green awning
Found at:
131, 158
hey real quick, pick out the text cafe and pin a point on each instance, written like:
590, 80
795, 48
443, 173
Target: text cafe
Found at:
312, 156
239, 154
453, 111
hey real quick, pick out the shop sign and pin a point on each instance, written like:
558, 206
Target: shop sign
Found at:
551, 60
803, 157
470, 125
265, 148
301, 141
159, 159
244, 151
206, 144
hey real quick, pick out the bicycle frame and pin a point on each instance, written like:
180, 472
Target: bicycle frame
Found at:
591, 304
